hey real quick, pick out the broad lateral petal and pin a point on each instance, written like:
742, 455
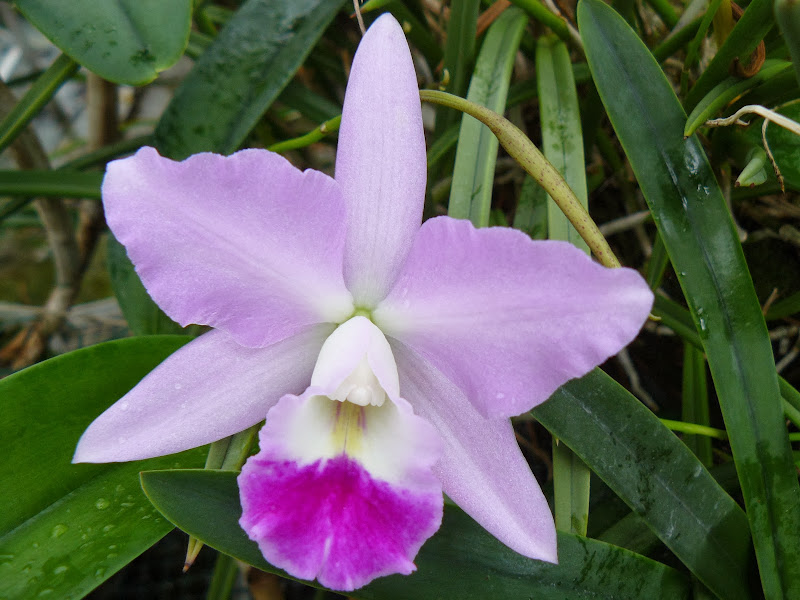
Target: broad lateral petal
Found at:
246, 243
209, 389
482, 468
342, 507
507, 319
380, 161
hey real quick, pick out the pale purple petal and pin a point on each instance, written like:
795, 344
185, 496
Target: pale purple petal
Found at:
482, 468
344, 509
507, 319
209, 389
380, 161
245, 243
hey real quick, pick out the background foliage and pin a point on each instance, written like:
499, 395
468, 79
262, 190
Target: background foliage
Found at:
673, 474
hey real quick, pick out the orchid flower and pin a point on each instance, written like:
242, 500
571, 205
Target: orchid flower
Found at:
387, 357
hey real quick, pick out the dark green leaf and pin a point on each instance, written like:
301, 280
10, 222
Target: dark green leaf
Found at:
787, 15
656, 475
53, 184
66, 528
691, 215
125, 41
237, 78
460, 561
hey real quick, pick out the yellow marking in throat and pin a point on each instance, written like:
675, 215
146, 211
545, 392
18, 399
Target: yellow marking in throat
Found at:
347, 429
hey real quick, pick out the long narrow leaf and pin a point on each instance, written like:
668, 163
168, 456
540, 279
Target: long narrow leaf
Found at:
35, 98
239, 76
691, 215
476, 153
65, 528
562, 145
460, 561
656, 475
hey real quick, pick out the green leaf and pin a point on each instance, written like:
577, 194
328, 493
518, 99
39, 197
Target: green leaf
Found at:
691, 215
562, 140
476, 152
237, 78
656, 475
460, 561
125, 41
562, 145
459, 54
52, 184
748, 32
66, 528
695, 401
729, 89
787, 16
35, 98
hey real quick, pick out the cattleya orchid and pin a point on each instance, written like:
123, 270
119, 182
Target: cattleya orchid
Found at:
387, 357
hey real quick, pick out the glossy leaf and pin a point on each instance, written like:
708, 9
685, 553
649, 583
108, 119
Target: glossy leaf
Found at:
125, 41
656, 475
476, 152
460, 561
691, 215
66, 528
237, 78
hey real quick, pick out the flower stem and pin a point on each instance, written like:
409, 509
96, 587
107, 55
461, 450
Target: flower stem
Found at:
536, 165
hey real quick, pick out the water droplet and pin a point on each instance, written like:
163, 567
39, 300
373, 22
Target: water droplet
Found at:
101, 504
178, 386
126, 504
6, 558
58, 530
100, 573
45, 592
703, 327
34, 545
123, 406
60, 569
500, 395
119, 489
111, 555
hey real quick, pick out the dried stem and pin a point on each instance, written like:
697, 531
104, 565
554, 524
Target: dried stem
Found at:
102, 107
29, 344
